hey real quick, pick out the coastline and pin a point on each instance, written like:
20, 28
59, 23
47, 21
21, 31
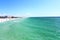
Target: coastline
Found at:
6, 19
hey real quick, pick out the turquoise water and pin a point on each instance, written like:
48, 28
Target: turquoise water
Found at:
33, 28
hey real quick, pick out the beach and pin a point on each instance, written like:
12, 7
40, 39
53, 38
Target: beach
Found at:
6, 19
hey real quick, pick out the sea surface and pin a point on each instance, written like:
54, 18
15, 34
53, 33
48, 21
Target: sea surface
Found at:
32, 28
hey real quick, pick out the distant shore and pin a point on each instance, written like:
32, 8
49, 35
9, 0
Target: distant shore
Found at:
9, 17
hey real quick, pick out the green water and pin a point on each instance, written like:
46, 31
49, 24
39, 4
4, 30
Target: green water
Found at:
33, 28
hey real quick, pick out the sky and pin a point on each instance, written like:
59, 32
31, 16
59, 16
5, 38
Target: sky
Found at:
30, 7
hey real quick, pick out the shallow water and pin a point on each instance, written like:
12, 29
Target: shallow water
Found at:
33, 28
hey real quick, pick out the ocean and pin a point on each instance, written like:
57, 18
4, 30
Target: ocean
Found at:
32, 28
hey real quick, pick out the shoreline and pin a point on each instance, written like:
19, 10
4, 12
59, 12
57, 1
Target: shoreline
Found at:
6, 19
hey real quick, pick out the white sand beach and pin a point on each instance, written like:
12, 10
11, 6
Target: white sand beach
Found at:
6, 19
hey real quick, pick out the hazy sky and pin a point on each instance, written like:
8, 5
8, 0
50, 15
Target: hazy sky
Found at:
30, 7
